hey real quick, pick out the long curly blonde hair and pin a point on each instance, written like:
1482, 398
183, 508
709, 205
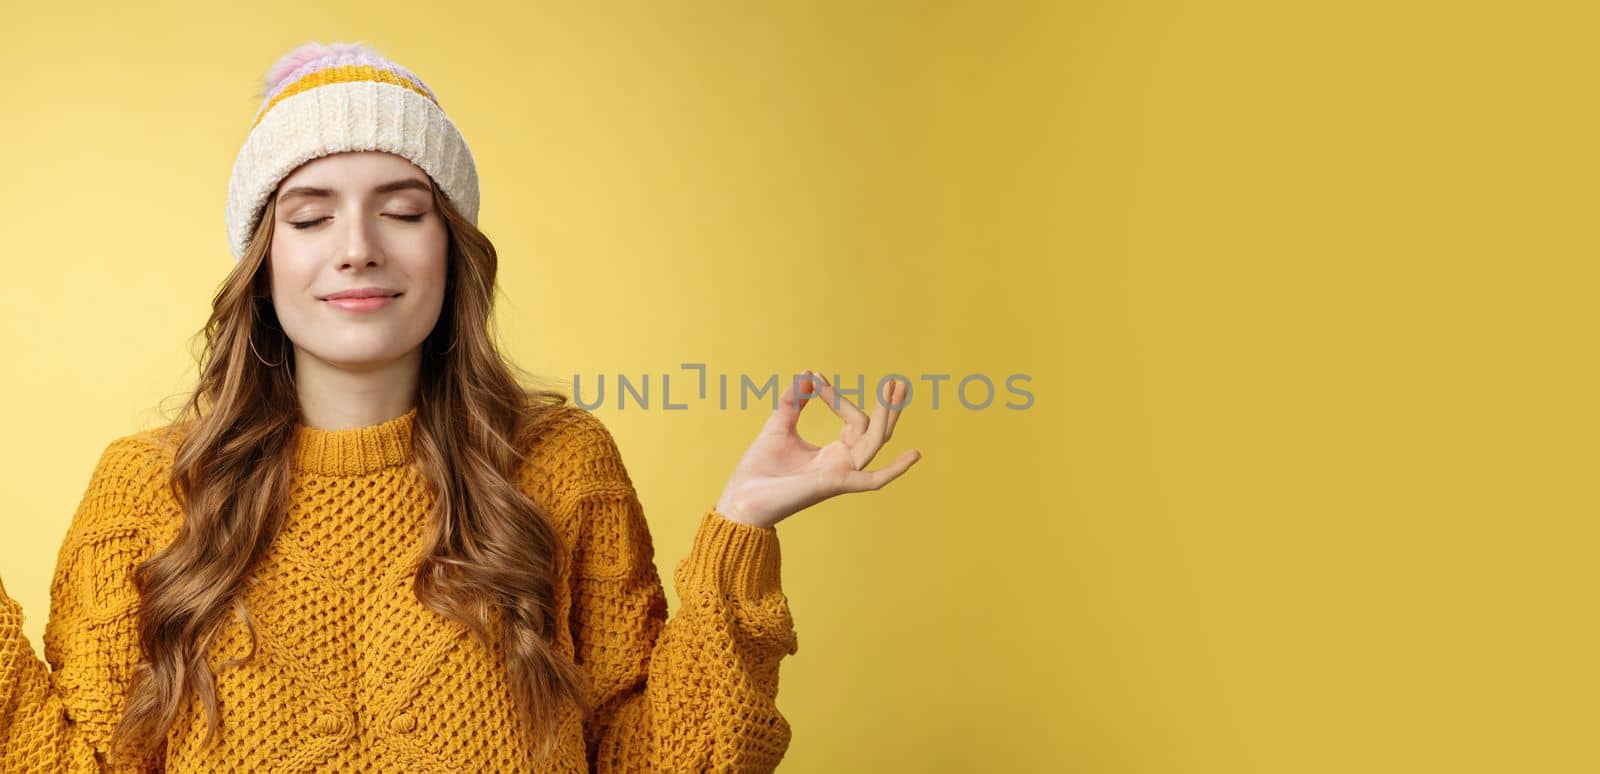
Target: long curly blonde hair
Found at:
491, 547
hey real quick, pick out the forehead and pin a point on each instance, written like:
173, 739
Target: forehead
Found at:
353, 171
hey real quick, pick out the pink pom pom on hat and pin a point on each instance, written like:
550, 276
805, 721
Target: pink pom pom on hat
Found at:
320, 99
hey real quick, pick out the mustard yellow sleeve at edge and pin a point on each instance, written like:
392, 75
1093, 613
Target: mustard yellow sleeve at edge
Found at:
693, 693
697, 692
56, 714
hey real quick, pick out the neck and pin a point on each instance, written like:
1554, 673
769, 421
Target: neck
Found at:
341, 396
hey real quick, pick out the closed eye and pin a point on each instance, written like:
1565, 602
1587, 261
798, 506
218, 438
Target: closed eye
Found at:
303, 225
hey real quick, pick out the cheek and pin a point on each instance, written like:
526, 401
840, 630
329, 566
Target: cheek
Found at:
290, 280
431, 269
289, 264
434, 293
426, 276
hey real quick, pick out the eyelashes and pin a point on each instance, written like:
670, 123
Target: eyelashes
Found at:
303, 225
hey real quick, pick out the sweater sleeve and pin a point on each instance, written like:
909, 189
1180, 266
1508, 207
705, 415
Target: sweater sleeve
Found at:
697, 692
57, 714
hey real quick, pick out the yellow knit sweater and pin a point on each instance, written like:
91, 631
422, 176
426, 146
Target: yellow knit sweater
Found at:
352, 673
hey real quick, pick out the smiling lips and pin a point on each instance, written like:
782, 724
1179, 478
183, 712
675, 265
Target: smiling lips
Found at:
362, 299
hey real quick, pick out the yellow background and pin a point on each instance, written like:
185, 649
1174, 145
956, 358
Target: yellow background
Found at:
1305, 290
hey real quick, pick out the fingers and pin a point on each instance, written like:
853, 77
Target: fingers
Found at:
787, 415
886, 408
855, 421
878, 430
897, 393
866, 435
868, 480
890, 403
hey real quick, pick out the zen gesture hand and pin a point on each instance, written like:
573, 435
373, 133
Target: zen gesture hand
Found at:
781, 474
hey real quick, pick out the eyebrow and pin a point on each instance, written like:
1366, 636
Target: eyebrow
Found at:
396, 185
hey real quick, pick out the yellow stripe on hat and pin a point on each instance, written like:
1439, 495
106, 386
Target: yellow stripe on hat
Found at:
343, 74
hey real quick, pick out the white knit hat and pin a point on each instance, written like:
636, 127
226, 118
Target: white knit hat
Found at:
321, 99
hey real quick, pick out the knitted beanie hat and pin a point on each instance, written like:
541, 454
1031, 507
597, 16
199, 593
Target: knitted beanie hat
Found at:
324, 99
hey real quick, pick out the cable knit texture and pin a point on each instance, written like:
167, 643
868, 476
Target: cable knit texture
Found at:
353, 673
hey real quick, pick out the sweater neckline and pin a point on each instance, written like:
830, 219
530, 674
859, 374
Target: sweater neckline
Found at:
355, 451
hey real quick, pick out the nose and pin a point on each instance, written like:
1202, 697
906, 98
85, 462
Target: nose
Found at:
360, 248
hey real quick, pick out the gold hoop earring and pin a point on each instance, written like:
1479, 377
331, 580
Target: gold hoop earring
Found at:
252, 339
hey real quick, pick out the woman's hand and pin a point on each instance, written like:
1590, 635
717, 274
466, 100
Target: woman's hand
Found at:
781, 474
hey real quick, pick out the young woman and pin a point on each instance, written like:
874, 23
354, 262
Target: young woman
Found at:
364, 545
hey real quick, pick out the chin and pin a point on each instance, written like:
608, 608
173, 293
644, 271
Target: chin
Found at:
357, 357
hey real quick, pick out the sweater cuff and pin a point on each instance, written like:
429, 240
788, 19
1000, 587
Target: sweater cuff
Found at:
740, 561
